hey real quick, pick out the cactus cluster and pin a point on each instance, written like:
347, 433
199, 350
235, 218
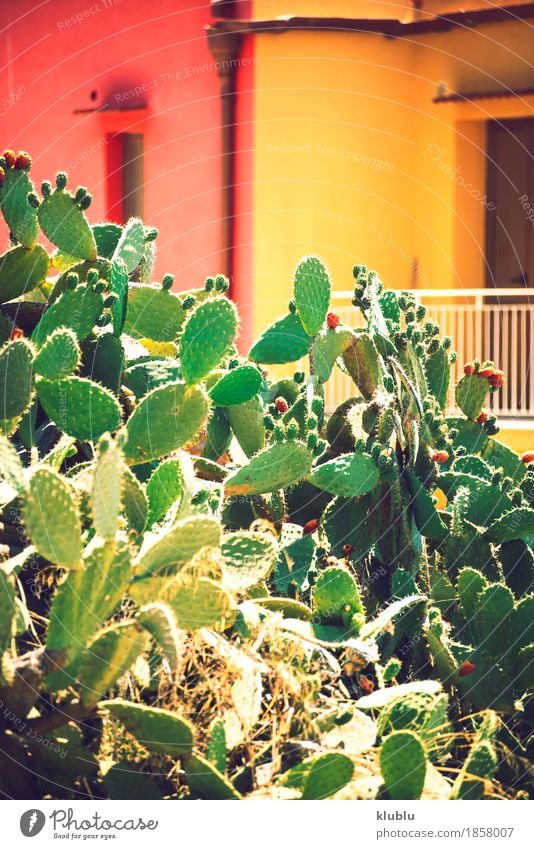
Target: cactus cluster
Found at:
188, 546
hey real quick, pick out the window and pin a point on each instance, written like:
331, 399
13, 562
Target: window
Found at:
125, 176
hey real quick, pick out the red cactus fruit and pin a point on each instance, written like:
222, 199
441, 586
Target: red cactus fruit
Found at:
311, 526
281, 404
528, 457
440, 456
23, 160
366, 684
10, 157
488, 372
482, 418
332, 319
466, 668
347, 550
497, 379
469, 369
16, 333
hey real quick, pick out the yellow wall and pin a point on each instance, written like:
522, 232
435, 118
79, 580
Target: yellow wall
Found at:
353, 161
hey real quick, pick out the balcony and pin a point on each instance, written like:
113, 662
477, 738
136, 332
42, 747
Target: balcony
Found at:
496, 324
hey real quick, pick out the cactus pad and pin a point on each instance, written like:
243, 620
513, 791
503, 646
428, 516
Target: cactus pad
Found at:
77, 309
15, 378
471, 394
153, 313
21, 271
157, 729
236, 386
284, 342
246, 422
59, 356
175, 548
207, 335
107, 489
79, 407
64, 223
349, 475
361, 360
403, 765
206, 782
165, 420
312, 293
21, 218
47, 498
278, 466
336, 597
248, 558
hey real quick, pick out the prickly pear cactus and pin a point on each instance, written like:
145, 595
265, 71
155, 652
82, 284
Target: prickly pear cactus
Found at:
193, 551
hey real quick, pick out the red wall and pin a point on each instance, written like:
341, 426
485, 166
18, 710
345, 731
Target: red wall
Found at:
51, 62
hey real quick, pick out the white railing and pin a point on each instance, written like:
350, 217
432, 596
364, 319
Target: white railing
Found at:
496, 324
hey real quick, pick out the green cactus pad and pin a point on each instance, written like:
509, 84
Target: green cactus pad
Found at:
470, 584
348, 476
11, 468
471, 394
216, 749
499, 456
218, 435
522, 623
157, 729
165, 420
60, 355
21, 218
248, 558
278, 466
403, 765
77, 309
206, 782
107, 236
361, 360
199, 603
81, 269
153, 313
87, 598
312, 293
288, 607
21, 271
79, 407
107, 489
246, 422
166, 486
15, 378
118, 285
335, 596
160, 622
207, 335
438, 375
471, 435
284, 342
491, 620
107, 657
517, 524
103, 360
345, 522
479, 767
64, 223
134, 501
471, 465
131, 244
326, 775
48, 498
175, 548
326, 348
428, 520
236, 387
142, 378
423, 713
